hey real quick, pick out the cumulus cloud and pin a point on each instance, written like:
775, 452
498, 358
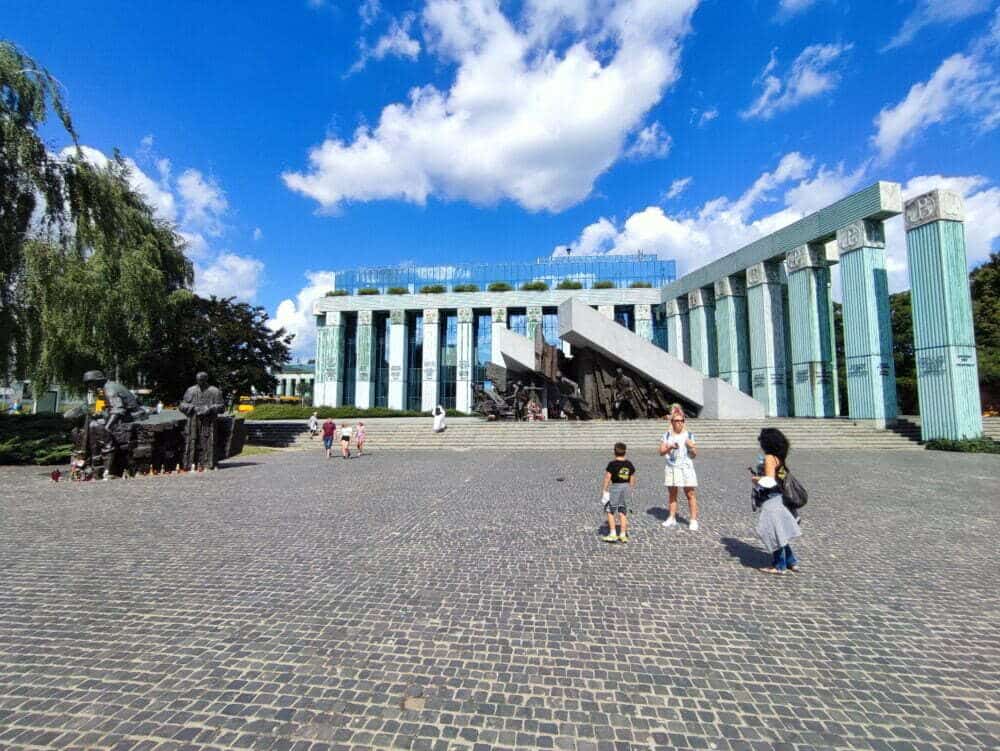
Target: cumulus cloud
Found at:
296, 316
396, 42
934, 12
813, 73
652, 142
538, 108
204, 202
677, 187
228, 275
965, 84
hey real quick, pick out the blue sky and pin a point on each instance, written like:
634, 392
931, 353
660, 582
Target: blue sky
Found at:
287, 140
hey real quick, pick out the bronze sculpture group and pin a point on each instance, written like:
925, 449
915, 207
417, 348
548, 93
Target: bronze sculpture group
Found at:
124, 438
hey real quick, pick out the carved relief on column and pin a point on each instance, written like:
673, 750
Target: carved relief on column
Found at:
498, 315
397, 317
864, 233
644, 312
465, 315
937, 205
730, 286
430, 316
763, 273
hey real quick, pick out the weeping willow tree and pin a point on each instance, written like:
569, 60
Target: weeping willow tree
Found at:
97, 296
31, 188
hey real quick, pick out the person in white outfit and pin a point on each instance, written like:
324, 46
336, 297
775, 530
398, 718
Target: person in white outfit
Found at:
440, 421
678, 445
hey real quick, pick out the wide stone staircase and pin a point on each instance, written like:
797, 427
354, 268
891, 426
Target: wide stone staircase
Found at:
471, 433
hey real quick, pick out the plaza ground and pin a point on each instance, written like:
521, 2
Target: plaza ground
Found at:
458, 599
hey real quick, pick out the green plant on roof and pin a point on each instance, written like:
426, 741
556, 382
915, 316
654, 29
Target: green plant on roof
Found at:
534, 286
368, 291
499, 287
569, 284
337, 293
640, 285
397, 291
466, 288
604, 284
432, 289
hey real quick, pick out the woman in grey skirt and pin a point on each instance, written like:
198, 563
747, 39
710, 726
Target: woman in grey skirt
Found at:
776, 526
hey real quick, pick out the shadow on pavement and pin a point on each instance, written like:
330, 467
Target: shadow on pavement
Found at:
749, 555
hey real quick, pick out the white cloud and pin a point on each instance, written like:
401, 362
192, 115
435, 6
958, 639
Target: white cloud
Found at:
933, 12
204, 202
258, 233
652, 142
396, 42
228, 275
296, 316
965, 84
677, 187
523, 119
369, 10
811, 74
789, 8
707, 116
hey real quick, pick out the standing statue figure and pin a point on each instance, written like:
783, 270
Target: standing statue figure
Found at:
202, 404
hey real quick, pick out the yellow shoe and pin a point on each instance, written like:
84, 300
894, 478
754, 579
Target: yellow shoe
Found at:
610, 538
623, 537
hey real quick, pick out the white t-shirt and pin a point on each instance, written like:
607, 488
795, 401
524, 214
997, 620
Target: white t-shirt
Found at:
345, 432
678, 457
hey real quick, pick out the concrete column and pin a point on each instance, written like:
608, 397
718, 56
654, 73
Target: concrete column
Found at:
364, 388
329, 361
732, 332
534, 318
678, 343
397, 359
644, 321
943, 338
810, 315
871, 372
701, 315
498, 318
432, 331
463, 371
766, 319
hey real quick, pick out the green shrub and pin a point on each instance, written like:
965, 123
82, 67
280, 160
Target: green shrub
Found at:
368, 291
640, 285
981, 445
466, 288
295, 412
35, 439
397, 291
604, 284
337, 293
534, 287
569, 284
432, 289
499, 287
906, 395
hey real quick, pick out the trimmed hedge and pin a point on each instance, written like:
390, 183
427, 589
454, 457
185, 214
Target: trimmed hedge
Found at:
397, 291
368, 291
569, 284
337, 293
534, 287
295, 412
604, 284
499, 287
640, 285
967, 446
465, 288
432, 289
35, 439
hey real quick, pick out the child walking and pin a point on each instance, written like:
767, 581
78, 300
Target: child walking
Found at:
345, 441
619, 481
360, 437
678, 445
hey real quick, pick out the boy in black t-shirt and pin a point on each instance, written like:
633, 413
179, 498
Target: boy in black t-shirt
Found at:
619, 481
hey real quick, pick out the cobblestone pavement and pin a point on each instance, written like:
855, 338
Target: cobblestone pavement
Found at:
452, 600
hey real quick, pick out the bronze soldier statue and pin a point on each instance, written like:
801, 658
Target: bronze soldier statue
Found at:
106, 436
202, 404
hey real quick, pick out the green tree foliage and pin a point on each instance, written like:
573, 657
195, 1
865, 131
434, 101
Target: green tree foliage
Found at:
227, 339
31, 185
97, 297
985, 288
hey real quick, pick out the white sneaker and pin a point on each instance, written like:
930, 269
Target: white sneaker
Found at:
670, 522
693, 526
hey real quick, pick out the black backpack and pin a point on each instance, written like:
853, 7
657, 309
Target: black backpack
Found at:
793, 492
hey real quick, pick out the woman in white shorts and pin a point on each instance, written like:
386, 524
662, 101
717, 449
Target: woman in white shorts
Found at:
678, 445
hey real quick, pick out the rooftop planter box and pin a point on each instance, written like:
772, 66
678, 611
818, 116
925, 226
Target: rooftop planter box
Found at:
569, 284
368, 291
534, 287
397, 291
337, 293
465, 288
640, 285
604, 284
432, 289
499, 287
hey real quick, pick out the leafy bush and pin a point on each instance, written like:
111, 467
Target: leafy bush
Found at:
295, 412
980, 445
432, 289
534, 287
906, 395
640, 285
604, 284
337, 293
499, 287
466, 288
34, 439
368, 291
397, 291
569, 284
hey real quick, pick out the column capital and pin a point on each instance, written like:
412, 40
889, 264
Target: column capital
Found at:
643, 312
763, 273
498, 315
677, 307
935, 206
397, 317
430, 315
334, 318
812, 256
465, 315
534, 312
863, 233
730, 286
365, 317
700, 298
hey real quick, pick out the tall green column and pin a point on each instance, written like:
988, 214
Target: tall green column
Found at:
364, 388
943, 338
533, 320
644, 321
701, 317
678, 340
429, 389
871, 373
329, 390
810, 311
498, 320
768, 350
463, 371
397, 359
732, 332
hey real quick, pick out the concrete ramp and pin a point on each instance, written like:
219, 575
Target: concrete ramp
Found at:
582, 326
517, 352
